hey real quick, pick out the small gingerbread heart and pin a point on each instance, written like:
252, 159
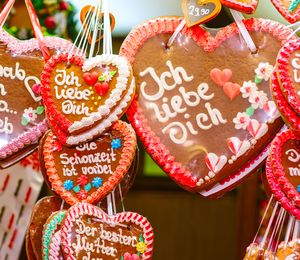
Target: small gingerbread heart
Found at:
78, 104
244, 6
289, 9
126, 234
90, 171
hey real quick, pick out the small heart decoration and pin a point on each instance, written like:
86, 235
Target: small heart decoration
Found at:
243, 6
134, 234
237, 146
79, 105
290, 10
285, 162
90, 171
197, 11
185, 110
21, 126
87, 11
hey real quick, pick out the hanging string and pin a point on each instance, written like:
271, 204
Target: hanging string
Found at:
288, 230
5, 11
107, 39
62, 205
280, 231
176, 32
238, 18
95, 27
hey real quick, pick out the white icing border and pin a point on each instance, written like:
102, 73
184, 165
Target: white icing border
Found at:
113, 117
124, 73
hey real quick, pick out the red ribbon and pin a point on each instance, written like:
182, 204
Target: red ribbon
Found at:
5, 11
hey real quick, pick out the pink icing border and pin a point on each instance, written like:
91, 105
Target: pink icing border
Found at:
81, 209
209, 43
290, 17
242, 7
19, 47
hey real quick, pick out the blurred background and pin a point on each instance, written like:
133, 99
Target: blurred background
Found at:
186, 226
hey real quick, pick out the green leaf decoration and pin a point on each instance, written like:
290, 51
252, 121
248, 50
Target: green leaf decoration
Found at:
122, 258
141, 239
293, 5
250, 111
112, 73
138, 253
24, 121
40, 110
257, 80
101, 78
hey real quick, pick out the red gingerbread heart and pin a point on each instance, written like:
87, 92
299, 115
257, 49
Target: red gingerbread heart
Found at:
183, 116
248, 6
77, 103
126, 234
22, 120
90, 171
289, 9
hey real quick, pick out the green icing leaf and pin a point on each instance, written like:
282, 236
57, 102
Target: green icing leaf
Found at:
24, 121
250, 111
141, 239
293, 5
257, 80
101, 78
40, 110
112, 73
122, 258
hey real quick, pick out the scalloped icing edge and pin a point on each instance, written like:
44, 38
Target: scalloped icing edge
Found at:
19, 47
203, 38
81, 209
292, 18
127, 156
240, 6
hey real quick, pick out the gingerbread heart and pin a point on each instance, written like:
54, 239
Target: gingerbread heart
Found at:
51, 236
80, 94
288, 114
285, 162
289, 9
41, 212
182, 112
276, 189
22, 120
288, 73
245, 6
88, 232
90, 171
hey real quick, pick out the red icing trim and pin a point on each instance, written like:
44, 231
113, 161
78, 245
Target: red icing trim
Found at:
240, 6
130, 47
290, 17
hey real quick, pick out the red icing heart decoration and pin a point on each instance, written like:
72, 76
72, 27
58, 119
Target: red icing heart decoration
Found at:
289, 9
283, 171
90, 171
22, 120
89, 233
207, 124
83, 98
245, 6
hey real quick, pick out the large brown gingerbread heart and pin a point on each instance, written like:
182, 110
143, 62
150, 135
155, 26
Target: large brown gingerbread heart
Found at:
90, 171
89, 233
81, 95
203, 107
22, 117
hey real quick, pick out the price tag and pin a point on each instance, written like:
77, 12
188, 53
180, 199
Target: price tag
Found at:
88, 10
200, 11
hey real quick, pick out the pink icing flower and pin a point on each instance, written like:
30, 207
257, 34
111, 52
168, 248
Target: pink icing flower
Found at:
128, 256
248, 89
258, 99
241, 121
264, 71
30, 114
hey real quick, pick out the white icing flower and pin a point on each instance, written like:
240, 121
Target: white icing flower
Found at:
264, 71
30, 114
258, 99
248, 89
241, 121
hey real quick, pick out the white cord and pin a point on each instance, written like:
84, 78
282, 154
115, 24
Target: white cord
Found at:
176, 32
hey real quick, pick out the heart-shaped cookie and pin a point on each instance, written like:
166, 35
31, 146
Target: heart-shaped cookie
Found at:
285, 162
289, 9
288, 114
90, 171
245, 6
197, 12
276, 189
51, 236
22, 120
288, 73
41, 212
182, 112
88, 232
79, 93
